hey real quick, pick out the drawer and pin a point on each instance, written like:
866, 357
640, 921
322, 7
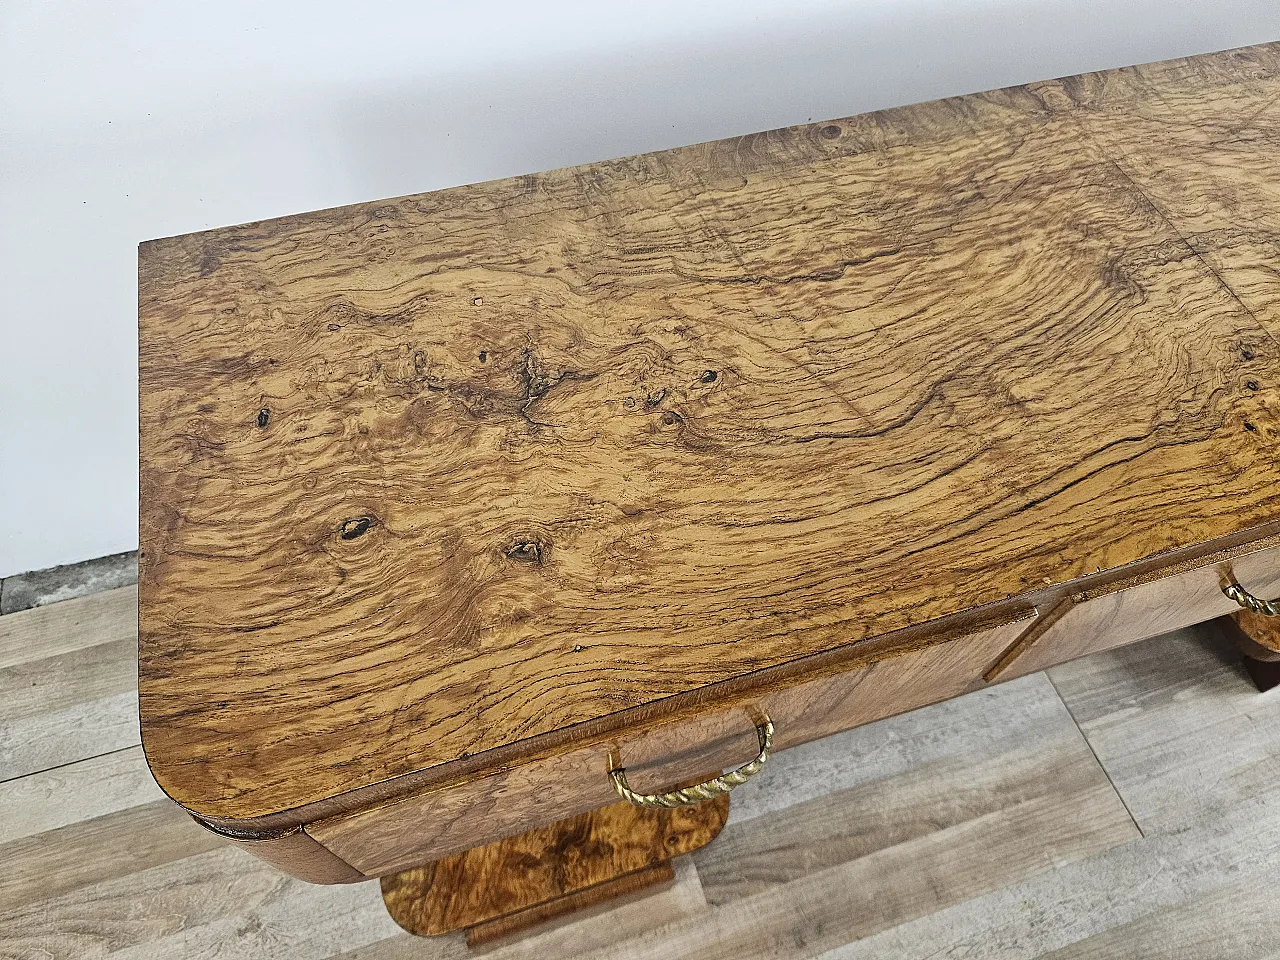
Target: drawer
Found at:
1126, 613
423, 827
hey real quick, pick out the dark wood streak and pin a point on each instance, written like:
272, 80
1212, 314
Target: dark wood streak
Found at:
959, 353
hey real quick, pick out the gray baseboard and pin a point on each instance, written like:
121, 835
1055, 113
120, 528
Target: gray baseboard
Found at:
26, 590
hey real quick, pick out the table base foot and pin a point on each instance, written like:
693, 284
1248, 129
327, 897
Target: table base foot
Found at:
1258, 640
505, 886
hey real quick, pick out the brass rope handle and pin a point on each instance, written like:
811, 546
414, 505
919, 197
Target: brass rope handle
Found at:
1247, 600
699, 791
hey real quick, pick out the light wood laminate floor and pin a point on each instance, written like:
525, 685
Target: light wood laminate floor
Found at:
1123, 806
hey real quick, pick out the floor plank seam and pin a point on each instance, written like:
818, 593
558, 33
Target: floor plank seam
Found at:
69, 763
1098, 760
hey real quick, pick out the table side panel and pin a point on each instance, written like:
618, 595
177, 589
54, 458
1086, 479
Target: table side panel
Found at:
407, 833
298, 855
1127, 615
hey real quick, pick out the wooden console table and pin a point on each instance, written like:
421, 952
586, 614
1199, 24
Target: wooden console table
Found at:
471, 518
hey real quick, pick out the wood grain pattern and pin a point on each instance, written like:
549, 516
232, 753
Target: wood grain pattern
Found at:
70, 859
439, 821
44, 801
1177, 724
221, 903
752, 860
1101, 620
609, 892
577, 935
1192, 749
75, 703
546, 864
913, 826
58, 628
68, 682
435, 476
1230, 923
833, 900
1257, 638
299, 856
1262, 631
1205, 167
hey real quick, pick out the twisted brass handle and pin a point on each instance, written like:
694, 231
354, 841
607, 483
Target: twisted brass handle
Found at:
1247, 600
699, 791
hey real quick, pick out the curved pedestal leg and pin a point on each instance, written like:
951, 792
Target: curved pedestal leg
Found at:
1258, 640
510, 884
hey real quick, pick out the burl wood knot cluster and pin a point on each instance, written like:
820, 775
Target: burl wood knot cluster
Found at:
439, 485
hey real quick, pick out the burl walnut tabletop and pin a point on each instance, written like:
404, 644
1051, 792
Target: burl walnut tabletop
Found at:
436, 482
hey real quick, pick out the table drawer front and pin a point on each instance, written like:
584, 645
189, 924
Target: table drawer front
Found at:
1109, 620
410, 832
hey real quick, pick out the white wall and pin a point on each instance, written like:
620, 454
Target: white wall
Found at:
122, 121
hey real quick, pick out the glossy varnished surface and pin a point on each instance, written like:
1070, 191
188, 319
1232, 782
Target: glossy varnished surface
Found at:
426, 477
379, 839
1101, 620
544, 865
